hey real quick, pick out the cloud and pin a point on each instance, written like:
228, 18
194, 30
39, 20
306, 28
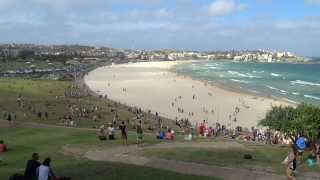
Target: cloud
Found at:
63, 3
164, 13
7, 3
312, 2
129, 27
225, 7
26, 19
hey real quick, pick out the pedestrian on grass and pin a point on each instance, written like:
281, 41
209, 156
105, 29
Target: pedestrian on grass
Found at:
139, 133
290, 162
124, 135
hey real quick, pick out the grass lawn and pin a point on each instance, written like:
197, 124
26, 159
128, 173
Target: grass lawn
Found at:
48, 96
17, 65
23, 141
265, 158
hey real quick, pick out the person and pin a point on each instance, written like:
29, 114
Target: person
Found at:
168, 135
318, 152
290, 162
139, 133
124, 135
160, 135
111, 132
102, 134
44, 171
30, 172
3, 147
9, 118
301, 146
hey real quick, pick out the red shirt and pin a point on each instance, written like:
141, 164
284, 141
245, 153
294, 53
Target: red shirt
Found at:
3, 148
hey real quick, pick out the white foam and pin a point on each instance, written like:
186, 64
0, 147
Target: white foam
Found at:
283, 91
275, 75
291, 101
239, 81
312, 97
304, 83
296, 93
242, 75
270, 87
213, 67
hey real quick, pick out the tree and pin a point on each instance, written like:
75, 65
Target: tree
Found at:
303, 120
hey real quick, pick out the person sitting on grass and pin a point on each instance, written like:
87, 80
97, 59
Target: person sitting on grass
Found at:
3, 147
31, 167
160, 135
102, 134
168, 135
111, 132
44, 171
124, 135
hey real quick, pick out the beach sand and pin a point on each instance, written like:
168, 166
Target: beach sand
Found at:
152, 86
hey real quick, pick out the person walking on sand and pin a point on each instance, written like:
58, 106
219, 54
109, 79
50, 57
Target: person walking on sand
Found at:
139, 134
124, 135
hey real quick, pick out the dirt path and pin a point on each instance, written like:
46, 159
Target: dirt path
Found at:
129, 155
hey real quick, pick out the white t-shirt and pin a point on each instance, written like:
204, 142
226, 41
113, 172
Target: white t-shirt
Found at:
44, 172
110, 130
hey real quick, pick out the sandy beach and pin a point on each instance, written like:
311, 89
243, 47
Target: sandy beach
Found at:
152, 86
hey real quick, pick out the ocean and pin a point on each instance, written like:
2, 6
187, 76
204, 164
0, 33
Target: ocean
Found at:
293, 82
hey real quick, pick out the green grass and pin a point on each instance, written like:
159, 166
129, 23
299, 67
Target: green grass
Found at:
16, 65
23, 141
40, 96
265, 158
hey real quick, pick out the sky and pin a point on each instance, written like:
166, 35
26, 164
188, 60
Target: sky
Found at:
284, 25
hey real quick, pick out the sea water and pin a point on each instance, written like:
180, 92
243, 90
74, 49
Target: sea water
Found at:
293, 82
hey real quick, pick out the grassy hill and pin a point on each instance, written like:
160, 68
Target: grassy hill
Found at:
49, 141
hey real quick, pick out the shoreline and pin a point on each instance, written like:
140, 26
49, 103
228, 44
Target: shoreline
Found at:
161, 74
241, 91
